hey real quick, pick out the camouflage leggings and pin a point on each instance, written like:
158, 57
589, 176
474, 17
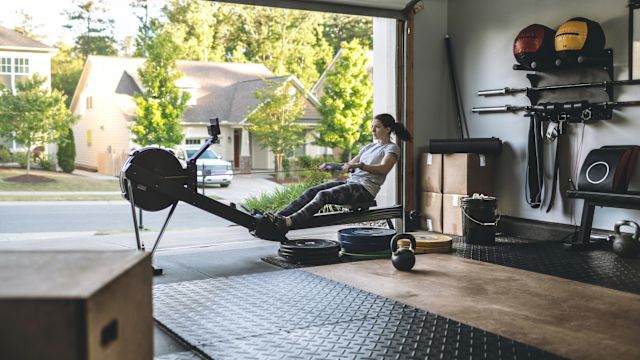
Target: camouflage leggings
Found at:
313, 199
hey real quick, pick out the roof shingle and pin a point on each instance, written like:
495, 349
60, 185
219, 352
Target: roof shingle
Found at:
13, 39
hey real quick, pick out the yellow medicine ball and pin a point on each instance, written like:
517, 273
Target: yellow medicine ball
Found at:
571, 35
579, 35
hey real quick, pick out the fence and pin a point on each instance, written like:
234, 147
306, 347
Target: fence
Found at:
111, 163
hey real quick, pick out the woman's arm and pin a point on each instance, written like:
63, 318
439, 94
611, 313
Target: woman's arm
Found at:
387, 163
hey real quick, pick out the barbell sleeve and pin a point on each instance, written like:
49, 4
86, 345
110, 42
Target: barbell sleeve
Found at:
493, 109
503, 91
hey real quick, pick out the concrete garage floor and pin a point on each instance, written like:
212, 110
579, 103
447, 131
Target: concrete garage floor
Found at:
567, 318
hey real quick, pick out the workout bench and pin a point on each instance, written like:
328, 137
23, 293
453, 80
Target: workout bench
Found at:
593, 199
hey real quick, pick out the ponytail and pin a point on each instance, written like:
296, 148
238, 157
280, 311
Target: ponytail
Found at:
396, 127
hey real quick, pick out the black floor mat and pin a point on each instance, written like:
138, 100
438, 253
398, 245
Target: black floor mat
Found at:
294, 314
597, 267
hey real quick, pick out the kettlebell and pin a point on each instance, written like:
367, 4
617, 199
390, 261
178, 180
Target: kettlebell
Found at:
403, 258
626, 244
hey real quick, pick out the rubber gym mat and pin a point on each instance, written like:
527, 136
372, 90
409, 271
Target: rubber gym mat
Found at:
185, 355
596, 267
293, 314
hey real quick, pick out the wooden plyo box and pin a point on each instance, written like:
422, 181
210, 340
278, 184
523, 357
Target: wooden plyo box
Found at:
75, 305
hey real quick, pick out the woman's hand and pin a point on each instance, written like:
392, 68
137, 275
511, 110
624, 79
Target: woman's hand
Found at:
351, 167
330, 166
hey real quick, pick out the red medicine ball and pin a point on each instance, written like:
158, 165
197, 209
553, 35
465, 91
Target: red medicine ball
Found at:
534, 46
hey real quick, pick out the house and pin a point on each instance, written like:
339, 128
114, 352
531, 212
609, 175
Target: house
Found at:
22, 57
104, 103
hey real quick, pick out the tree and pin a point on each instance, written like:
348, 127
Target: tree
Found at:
33, 115
96, 36
275, 122
67, 151
285, 41
147, 28
161, 106
28, 28
347, 101
66, 68
190, 24
339, 28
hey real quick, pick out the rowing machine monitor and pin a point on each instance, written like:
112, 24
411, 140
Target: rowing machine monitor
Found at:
214, 128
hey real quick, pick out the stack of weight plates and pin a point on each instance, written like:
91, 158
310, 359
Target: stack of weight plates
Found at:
366, 242
429, 243
310, 251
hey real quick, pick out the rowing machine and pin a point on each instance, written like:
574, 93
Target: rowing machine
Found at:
153, 179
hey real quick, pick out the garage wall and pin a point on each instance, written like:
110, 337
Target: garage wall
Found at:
432, 115
482, 34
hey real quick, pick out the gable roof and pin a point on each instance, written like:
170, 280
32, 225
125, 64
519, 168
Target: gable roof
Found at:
224, 90
13, 40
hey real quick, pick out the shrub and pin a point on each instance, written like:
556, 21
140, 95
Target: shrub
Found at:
276, 200
305, 161
21, 158
281, 197
67, 152
5, 155
46, 163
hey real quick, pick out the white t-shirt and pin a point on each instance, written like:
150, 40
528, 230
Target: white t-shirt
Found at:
372, 154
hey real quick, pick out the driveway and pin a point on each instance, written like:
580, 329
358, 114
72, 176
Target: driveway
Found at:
243, 186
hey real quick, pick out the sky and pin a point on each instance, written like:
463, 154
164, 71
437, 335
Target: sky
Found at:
50, 14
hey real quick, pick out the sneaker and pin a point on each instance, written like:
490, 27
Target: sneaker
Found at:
279, 221
281, 224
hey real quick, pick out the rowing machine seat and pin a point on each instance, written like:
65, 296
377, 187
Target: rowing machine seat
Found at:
361, 206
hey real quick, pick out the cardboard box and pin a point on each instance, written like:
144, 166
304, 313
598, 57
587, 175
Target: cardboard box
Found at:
431, 172
467, 174
76, 305
431, 211
452, 214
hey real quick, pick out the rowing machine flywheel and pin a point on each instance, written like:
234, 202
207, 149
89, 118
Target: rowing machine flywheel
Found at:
159, 161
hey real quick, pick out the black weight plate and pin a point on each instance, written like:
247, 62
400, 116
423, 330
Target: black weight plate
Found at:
364, 248
367, 256
311, 260
308, 257
364, 233
309, 253
310, 245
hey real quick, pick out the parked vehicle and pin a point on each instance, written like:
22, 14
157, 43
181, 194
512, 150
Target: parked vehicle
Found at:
211, 168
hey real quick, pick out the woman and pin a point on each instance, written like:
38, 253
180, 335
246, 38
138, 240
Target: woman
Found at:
369, 170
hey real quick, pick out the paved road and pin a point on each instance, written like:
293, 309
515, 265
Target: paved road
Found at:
67, 216
95, 216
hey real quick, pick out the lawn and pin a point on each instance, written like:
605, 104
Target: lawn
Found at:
58, 183
55, 182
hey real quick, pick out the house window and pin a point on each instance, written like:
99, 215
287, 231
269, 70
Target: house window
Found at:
5, 65
89, 102
13, 70
21, 65
89, 137
192, 142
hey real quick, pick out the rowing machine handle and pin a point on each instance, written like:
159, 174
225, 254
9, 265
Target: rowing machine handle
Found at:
331, 167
